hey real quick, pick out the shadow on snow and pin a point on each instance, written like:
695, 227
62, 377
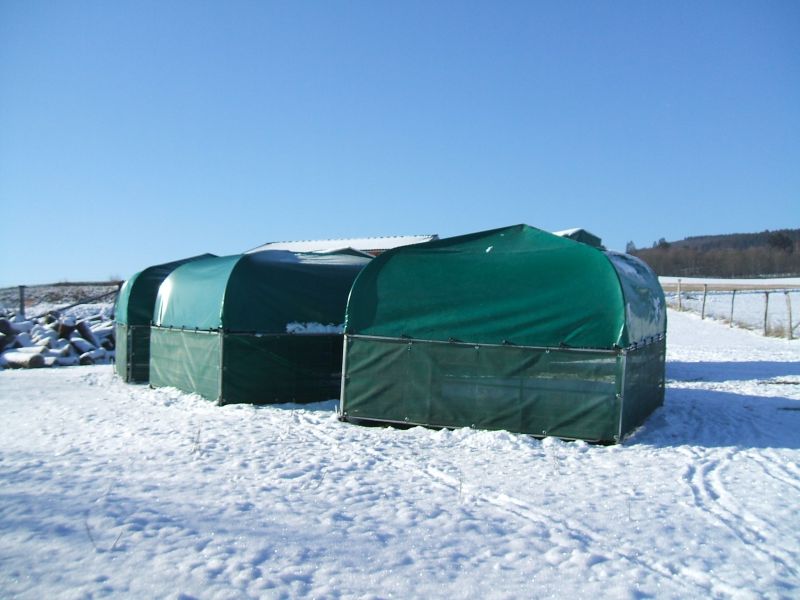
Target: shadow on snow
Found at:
711, 418
765, 371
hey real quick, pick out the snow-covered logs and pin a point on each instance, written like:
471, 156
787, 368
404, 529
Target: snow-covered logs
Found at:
52, 341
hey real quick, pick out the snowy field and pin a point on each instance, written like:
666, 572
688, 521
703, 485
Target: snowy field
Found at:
40, 299
748, 307
697, 282
95, 310
117, 490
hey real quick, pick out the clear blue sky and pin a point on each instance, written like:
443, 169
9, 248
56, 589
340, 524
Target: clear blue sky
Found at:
133, 133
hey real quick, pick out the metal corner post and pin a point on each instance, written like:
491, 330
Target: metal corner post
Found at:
221, 364
344, 375
22, 302
623, 357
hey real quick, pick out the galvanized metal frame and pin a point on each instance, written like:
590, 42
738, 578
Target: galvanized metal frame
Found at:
610, 351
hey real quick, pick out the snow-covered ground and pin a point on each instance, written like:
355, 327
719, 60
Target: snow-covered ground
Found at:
110, 489
749, 308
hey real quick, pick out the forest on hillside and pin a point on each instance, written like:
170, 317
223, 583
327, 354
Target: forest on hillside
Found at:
764, 254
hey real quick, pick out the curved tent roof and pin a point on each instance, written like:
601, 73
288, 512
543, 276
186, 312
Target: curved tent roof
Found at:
138, 294
264, 292
516, 285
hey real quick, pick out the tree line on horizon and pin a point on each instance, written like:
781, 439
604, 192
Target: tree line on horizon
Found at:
736, 255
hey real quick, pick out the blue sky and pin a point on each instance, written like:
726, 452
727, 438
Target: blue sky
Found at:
137, 133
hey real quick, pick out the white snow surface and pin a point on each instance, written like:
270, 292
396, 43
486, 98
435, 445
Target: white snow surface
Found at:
117, 490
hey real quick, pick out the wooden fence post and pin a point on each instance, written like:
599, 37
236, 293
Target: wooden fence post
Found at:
680, 304
789, 313
733, 299
22, 302
703, 310
766, 311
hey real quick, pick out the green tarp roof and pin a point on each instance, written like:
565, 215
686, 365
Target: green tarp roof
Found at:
137, 297
516, 285
262, 292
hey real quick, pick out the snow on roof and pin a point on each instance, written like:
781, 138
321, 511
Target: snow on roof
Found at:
568, 232
580, 234
370, 243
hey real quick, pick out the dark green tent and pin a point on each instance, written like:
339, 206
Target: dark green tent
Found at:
514, 329
258, 328
133, 314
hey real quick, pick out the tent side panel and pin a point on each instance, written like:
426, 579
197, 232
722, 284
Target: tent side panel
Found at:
286, 368
187, 360
121, 354
139, 357
133, 352
570, 394
643, 388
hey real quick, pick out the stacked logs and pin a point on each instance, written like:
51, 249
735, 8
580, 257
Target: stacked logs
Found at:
55, 341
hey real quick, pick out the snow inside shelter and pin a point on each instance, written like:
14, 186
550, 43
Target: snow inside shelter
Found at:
133, 314
254, 328
514, 329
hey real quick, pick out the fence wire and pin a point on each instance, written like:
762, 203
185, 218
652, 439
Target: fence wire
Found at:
771, 312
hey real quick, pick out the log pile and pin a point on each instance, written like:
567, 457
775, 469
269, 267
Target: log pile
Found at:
56, 341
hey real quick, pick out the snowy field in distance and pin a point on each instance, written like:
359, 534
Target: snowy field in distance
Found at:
748, 307
101, 310
117, 490
699, 281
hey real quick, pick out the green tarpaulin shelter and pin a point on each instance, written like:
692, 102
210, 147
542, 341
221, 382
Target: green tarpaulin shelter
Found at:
259, 328
133, 314
514, 329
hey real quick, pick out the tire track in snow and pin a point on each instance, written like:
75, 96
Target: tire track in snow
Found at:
580, 532
734, 427
781, 473
708, 492
717, 505
569, 529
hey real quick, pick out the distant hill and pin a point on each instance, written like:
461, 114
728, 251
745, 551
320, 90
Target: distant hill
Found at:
741, 241
763, 254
